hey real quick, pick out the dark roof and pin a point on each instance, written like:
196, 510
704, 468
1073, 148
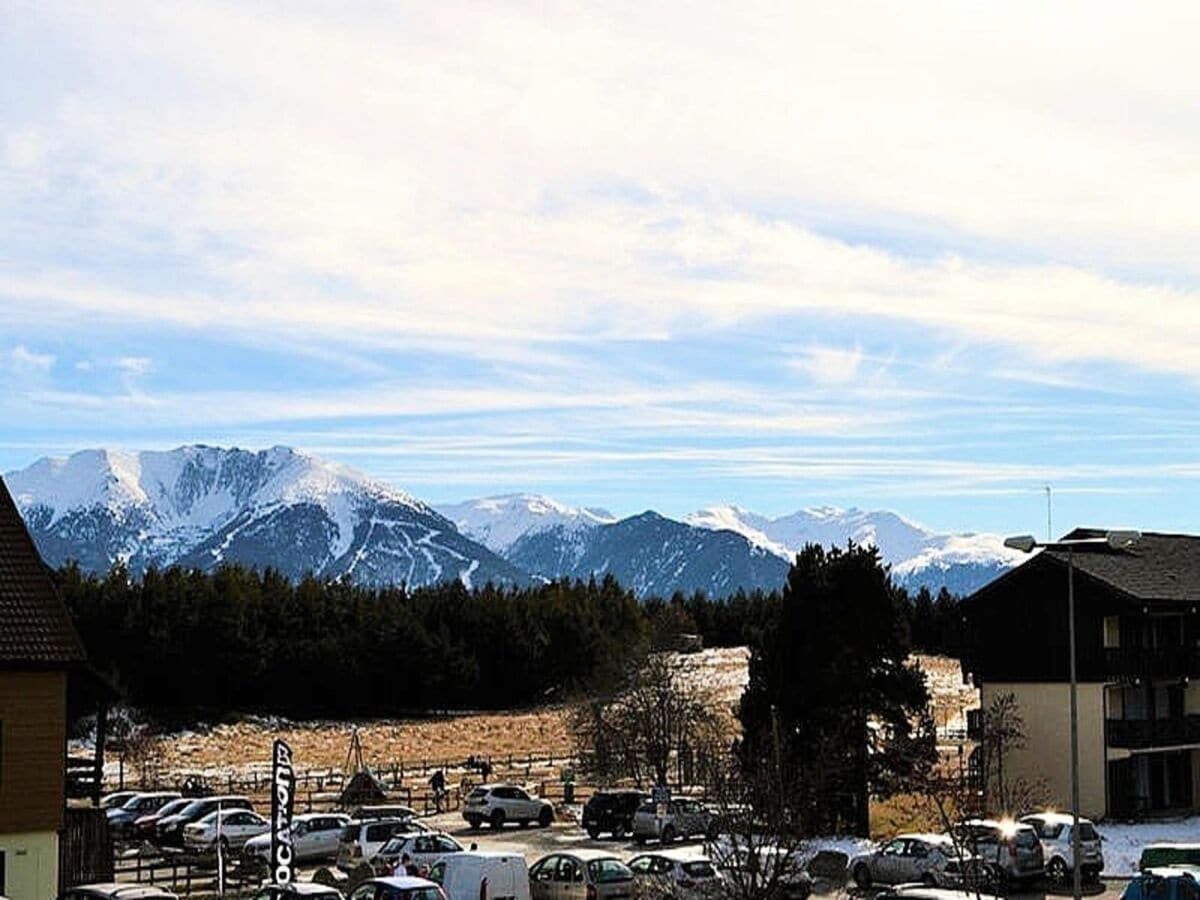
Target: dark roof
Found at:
35, 628
1157, 567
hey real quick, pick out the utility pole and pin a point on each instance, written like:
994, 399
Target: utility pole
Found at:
1049, 519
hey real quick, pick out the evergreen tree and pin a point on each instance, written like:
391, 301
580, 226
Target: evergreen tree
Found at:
833, 704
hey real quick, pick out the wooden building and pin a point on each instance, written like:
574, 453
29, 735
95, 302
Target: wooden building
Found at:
38, 648
1138, 665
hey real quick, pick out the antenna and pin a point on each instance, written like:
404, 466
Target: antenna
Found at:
1049, 516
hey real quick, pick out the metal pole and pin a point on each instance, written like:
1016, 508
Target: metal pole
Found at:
1075, 871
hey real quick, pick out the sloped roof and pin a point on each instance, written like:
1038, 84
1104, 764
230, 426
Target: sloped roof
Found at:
1158, 567
35, 628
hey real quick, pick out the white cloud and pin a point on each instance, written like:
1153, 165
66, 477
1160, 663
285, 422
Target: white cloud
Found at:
135, 365
24, 361
480, 176
830, 365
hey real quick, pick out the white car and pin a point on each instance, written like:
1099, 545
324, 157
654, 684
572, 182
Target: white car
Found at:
905, 859
476, 875
1054, 831
499, 804
360, 841
314, 836
230, 827
423, 849
686, 874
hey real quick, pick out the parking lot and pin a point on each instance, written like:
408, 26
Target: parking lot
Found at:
534, 843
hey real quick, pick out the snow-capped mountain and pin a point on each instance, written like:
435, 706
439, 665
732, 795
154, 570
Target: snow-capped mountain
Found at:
652, 555
499, 522
201, 506
918, 556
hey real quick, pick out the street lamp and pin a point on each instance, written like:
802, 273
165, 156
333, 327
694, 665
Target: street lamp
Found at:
1026, 543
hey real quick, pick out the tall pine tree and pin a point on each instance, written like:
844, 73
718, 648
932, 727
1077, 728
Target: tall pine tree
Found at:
834, 708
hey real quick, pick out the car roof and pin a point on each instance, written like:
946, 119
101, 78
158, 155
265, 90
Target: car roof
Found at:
680, 854
1192, 872
935, 893
306, 888
404, 882
382, 820
126, 890
304, 817
486, 854
1055, 818
586, 855
926, 836
993, 823
496, 784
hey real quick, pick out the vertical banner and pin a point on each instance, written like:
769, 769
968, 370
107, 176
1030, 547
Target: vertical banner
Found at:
283, 792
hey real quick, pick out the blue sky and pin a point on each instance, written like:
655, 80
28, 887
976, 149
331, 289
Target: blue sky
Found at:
636, 258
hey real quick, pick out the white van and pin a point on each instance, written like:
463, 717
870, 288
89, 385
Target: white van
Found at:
480, 875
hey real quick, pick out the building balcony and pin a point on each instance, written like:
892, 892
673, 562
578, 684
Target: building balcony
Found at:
1139, 734
1158, 662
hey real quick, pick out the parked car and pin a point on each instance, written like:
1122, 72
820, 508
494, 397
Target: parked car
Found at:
168, 831
116, 799
905, 859
422, 849
229, 828
580, 875
113, 891
1012, 848
361, 840
1164, 883
925, 892
475, 875
383, 811
315, 836
683, 874
499, 804
306, 889
684, 818
1054, 831
611, 812
397, 888
144, 827
1169, 854
121, 818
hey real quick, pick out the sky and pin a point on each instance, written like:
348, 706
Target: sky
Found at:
631, 255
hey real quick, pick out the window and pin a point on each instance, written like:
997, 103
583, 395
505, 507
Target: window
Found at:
699, 869
378, 833
606, 871
446, 845
366, 892
544, 871
895, 848
1112, 632
568, 870
641, 865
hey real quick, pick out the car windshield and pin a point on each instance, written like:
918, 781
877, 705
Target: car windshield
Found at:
1025, 837
428, 893
194, 808
173, 807
393, 846
699, 869
604, 871
478, 792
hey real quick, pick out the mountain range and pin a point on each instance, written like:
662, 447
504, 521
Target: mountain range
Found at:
202, 506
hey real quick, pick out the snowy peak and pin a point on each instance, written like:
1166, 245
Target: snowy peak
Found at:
499, 522
918, 555
202, 506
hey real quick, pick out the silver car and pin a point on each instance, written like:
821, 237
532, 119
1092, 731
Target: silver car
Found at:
314, 836
580, 875
905, 859
679, 874
682, 818
1012, 849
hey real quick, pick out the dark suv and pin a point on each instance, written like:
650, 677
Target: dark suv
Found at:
611, 811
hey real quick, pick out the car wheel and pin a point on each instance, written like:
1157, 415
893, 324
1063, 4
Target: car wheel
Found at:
545, 817
618, 831
522, 823
1057, 870
593, 832
474, 822
640, 840
929, 880
497, 819
862, 875
668, 834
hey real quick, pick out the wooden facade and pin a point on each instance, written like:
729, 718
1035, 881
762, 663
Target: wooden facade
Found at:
33, 744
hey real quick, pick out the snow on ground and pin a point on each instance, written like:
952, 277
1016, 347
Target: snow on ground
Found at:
1123, 842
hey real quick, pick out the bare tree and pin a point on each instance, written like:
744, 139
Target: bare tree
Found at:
655, 725
1003, 733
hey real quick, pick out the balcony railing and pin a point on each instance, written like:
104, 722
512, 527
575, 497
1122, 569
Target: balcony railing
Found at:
1157, 662
1135, 734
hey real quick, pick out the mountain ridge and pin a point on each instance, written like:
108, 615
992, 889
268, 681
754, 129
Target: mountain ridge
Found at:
201, 506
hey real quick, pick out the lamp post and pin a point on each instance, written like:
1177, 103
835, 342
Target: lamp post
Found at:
1117, 540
